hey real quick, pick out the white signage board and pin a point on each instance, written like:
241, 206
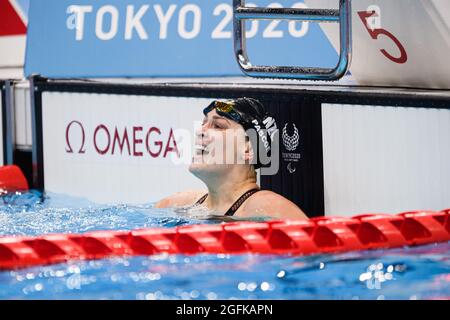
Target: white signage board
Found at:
390, 46
111, 148
385, 159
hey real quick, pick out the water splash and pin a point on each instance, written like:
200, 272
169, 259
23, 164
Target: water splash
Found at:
33, 213
404, 273
414, 276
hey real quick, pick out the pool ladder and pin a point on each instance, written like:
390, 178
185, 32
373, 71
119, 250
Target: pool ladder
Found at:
341, 16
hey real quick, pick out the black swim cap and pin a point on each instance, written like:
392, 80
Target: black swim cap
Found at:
253, 116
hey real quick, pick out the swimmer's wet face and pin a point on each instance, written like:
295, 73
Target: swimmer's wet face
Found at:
236, 134
220, 143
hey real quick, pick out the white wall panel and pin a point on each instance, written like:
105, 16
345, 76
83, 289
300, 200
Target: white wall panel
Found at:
114, 178
22, 115
12, 51
385, 159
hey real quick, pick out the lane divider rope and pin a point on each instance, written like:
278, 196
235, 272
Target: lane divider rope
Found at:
293, 237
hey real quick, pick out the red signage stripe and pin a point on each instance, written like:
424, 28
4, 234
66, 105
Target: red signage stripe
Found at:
10, 22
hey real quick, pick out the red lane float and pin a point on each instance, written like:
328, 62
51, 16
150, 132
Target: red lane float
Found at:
12, 179
318, 235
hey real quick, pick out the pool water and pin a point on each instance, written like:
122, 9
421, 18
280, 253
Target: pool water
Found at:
404, 273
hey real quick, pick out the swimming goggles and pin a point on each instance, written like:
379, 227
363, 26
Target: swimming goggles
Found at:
225, 109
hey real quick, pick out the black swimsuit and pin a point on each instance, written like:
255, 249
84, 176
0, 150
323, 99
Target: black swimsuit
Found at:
235, 205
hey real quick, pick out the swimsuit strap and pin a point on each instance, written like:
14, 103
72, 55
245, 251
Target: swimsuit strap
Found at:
235, 205
240, 201
201, 200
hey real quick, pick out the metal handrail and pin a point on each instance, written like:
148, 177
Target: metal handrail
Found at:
341, 16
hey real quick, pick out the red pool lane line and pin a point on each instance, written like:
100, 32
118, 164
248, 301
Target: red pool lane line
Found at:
318, 235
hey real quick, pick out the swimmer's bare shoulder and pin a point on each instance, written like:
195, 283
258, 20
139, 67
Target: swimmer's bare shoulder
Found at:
266, 203
181, 199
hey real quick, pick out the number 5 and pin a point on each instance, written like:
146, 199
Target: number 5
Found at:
375, 33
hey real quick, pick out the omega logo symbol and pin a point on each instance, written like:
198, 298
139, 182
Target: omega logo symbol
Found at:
69, 129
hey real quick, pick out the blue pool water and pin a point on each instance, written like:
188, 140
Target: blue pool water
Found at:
404, 273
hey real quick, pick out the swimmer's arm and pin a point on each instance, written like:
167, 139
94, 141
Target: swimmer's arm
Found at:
180, 199
270, 204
